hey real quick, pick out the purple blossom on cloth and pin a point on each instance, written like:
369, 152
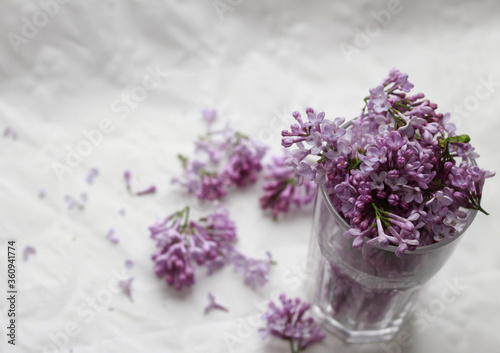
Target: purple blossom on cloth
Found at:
71, 202
182, 242
281, 190
211, 187
129, 264
255, 272
288, 322
111, 236
9, 132
42, 193
397, 173
127, 175
93, 173
223, 158
126, 286
209, 115
150, 190
28, 251
213, 305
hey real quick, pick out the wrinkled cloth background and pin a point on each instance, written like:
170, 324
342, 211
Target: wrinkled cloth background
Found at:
73, 70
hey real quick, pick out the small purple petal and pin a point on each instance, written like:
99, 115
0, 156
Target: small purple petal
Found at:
112, 236
126, 287
150, 190
28, 251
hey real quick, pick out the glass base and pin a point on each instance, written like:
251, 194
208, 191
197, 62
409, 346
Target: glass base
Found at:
354, 336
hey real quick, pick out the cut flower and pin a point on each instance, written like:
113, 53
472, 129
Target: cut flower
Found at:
395, 173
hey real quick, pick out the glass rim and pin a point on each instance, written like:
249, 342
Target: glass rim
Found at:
471, 214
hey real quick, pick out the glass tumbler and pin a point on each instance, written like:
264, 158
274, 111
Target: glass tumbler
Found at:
366, 294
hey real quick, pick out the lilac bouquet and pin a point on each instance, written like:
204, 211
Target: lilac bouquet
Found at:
223, 158
398, 174
182, 242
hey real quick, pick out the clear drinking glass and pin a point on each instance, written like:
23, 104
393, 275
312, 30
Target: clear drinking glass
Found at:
366, 294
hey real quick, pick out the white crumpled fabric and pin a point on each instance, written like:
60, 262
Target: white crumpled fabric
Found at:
70, 68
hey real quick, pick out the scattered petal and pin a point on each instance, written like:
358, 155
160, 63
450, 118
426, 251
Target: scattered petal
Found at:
93, 173
126, 287
129, 264
112, 236
28, 251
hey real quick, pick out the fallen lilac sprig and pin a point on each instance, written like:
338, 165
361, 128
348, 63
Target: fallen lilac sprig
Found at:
399, 174
281, 190
213, 304
28, 251
288, 323
223, 158
209, 241
127, 175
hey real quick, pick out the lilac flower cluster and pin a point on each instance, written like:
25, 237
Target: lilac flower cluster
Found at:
223, 158
288, 323
281, 190
392, 173
207, 242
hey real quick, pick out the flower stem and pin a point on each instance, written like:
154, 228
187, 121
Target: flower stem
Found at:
186, 219
292, 346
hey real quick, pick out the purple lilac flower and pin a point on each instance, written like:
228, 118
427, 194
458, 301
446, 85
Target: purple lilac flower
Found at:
150, 190
211, 187
396, 173
129, 263
72, 202
28, 251
223, 158
288, 323
126, 287
42, 193
126, 176
207, 242
111, 236
255, 272
93, 173
213, 304
9, 132
209, 115
281, 189
243, 164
